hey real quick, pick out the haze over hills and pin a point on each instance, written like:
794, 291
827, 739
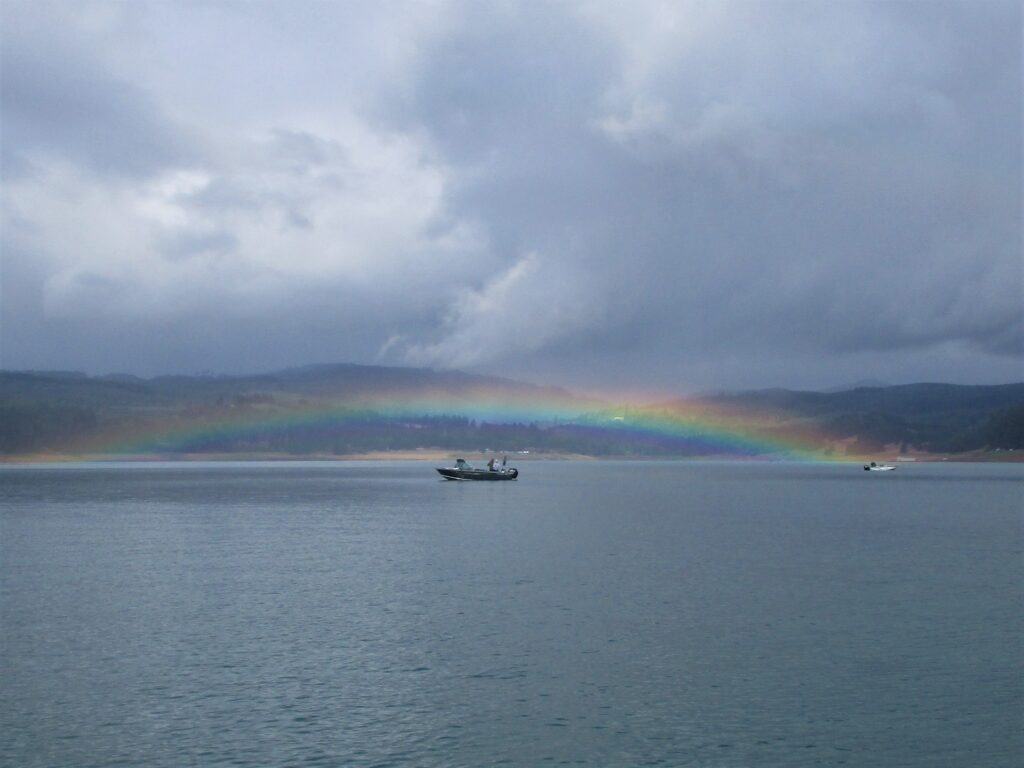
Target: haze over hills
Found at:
347, 408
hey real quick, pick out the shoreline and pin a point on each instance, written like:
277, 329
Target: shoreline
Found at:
438, 455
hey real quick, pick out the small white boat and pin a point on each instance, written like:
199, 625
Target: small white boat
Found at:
872, 467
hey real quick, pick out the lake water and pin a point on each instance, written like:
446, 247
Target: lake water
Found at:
592, 613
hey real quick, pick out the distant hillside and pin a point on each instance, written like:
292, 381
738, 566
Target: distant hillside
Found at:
336, 381
932, 417
67, 412
61, 411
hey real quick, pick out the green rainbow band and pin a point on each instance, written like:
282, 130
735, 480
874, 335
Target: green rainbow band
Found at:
721, 429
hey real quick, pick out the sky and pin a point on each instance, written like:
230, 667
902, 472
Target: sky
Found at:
644, 196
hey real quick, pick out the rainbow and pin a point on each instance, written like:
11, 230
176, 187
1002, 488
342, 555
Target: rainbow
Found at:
696, 425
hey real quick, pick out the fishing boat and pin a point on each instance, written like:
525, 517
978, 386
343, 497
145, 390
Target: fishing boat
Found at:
463, 471
872, 467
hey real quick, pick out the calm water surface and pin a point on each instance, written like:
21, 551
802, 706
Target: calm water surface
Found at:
605, 614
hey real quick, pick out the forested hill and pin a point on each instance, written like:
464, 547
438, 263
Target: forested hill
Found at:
65, 412
933, 417
335, 381
916, 400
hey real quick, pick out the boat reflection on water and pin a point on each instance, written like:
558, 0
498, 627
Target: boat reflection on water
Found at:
463, 471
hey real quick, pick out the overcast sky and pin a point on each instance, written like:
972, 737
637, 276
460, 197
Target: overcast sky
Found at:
641, 195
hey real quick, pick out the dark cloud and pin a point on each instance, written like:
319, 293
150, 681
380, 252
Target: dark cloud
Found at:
665, 195
802, 182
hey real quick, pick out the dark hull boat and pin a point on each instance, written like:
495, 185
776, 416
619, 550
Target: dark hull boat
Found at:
451, 473
462, 471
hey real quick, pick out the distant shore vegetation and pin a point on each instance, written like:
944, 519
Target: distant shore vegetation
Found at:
65, 413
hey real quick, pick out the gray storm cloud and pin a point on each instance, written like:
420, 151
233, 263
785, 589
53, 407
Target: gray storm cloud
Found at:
682, 194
